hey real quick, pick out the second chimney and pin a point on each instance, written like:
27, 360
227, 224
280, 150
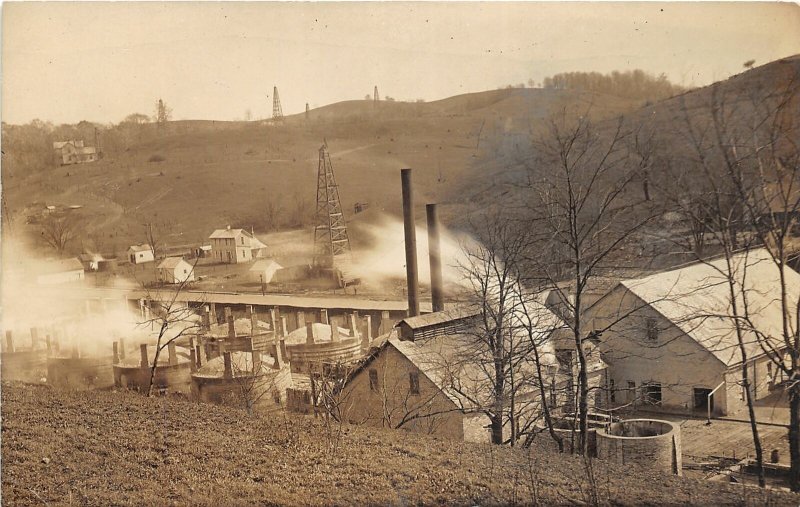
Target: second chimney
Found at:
435, 256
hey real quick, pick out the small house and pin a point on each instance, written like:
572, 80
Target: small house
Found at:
139, 254
264, 270
60, 271
174, 270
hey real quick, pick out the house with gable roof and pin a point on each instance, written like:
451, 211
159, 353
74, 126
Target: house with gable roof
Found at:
671, 343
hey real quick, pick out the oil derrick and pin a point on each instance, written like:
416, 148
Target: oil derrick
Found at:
375, 97
277, 112
331, 242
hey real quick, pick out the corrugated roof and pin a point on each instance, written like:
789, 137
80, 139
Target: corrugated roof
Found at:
431, 319
696, 299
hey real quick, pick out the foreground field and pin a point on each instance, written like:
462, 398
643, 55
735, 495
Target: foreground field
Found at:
104, 448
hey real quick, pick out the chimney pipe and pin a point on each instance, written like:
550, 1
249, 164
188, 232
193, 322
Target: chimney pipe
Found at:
435, 256
411, 243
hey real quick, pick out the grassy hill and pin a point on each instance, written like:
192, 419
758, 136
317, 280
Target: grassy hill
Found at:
195, 176
104, 448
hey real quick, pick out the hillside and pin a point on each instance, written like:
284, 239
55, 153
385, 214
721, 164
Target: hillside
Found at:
195, 176
102, 448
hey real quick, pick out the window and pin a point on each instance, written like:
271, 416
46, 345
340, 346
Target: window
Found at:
243, 240
413, 382
651, 393
651, 327
373, 379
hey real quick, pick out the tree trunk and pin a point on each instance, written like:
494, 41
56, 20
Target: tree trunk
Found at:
753, 425
794, 435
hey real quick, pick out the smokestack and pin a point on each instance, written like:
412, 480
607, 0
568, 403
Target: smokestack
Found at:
231, 326
310, 333
435, 256
411, 243
226, 358
143, 351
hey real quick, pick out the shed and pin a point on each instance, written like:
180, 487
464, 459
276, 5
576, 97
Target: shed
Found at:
264, 269
174, 270
139, 254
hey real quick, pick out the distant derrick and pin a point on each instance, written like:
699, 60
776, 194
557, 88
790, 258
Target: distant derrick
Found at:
277, 112
331, 241
375, 96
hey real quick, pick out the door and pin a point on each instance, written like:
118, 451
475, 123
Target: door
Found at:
701, 398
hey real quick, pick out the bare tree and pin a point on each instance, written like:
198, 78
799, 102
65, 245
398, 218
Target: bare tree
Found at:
583, 214
173, 319
59, 229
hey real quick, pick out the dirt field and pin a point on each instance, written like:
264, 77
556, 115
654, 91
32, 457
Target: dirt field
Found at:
104, 448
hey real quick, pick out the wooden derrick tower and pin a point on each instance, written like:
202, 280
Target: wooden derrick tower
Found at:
277, 112
331, 242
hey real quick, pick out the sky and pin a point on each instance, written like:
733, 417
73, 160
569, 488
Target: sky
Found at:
68, 61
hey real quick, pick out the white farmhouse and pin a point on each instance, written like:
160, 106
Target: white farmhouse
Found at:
174, 270
139, 254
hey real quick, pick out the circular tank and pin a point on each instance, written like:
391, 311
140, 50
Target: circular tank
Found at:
650, 443
80, 372
172, 376
261, 390
302, 351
